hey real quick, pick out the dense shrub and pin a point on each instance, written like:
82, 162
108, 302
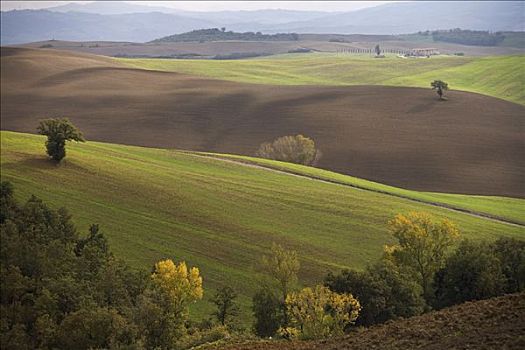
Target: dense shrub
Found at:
479, 270
294, 149
511, 254
268, 313
318, 312
383, 292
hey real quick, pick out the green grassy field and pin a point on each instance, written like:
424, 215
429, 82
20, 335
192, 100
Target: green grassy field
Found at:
500, 76
511, 209
217, 215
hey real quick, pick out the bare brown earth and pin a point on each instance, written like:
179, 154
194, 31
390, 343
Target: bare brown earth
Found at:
401, 136
497, 323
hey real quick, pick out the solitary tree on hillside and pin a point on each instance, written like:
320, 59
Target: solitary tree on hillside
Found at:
439, 86
58, 131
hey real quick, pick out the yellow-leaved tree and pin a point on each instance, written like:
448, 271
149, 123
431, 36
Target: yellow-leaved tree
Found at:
319, 313
179, 285
422, 245
162, 310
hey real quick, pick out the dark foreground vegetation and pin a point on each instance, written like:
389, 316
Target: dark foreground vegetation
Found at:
61, 289
216, 34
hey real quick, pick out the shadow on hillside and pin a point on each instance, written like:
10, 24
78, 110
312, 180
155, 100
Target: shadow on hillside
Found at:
42, 163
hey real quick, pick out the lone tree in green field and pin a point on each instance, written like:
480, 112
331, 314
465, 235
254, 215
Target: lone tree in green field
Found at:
439, 86
58, 131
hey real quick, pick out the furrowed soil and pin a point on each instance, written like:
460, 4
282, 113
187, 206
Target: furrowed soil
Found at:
497, 323
400, 136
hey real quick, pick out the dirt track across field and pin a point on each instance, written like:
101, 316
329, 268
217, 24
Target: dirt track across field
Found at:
314, 178
494, 324
400, 136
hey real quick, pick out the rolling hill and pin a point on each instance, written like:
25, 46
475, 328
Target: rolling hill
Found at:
215, 214
470, 144
498, 76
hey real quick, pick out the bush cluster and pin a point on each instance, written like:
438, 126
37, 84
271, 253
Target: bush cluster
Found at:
294, 149
423, 272
216, 34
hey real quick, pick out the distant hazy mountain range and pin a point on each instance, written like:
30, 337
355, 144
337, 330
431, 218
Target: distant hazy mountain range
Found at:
111, 21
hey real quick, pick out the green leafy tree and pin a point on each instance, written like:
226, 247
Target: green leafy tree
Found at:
440, 86
472, 272
282, 266
383, 291
58, 131
227, 308
422, 246
511, 254
267, 310
95, 328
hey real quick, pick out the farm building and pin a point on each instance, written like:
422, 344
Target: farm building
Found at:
425, 52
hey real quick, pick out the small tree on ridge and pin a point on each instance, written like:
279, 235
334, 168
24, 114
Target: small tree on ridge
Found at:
440, 86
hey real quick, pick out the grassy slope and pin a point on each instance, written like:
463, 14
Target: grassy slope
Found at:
502, 207
500, 76
216, 215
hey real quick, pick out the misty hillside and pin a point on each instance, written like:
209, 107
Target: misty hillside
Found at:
269, 16
402, 18
38, 25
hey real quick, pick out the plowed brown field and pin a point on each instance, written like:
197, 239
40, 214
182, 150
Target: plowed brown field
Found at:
400, 136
